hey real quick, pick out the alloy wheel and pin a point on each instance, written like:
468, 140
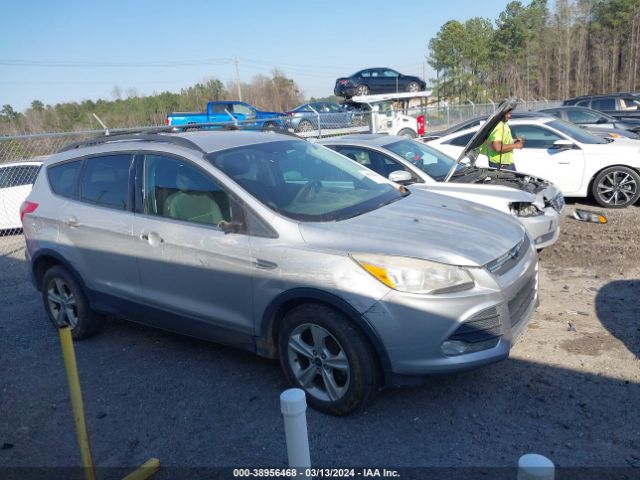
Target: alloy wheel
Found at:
319, 362
62, 303
617, 188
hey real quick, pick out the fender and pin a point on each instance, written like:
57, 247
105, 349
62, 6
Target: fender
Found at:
299, 295
46, 252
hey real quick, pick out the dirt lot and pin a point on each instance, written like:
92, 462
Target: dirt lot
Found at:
570, 391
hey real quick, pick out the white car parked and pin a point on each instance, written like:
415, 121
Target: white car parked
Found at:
535, 202
576, 161
16, 180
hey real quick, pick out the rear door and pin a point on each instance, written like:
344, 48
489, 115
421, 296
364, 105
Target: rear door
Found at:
539, 157
96, 222
188, 265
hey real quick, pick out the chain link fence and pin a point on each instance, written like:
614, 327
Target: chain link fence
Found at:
21, 156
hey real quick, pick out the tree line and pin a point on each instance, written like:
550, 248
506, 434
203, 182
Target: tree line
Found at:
130, 109
534, 51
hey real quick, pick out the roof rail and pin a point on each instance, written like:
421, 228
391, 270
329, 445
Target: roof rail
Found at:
143, 136
155, 134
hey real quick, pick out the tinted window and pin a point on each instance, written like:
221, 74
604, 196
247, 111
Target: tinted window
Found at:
19, 175
604, 104
583, 103
575, 132
178, 190
460, 141
305, 181
105, 181
63, 178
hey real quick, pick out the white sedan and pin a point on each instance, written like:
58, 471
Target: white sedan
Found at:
16, 180
576, 161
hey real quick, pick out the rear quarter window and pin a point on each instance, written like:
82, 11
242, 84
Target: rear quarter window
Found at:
63, 178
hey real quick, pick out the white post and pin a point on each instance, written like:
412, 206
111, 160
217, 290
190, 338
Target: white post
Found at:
535, 467
293, 406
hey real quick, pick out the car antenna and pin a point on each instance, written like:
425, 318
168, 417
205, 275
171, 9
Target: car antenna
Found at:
106, 129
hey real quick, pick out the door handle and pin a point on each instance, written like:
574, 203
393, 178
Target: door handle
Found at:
153, 238
72, 222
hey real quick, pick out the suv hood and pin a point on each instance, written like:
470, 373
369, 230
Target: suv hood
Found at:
423, 225
483, 132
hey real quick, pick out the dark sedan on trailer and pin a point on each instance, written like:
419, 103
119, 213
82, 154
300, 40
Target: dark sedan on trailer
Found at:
377, 80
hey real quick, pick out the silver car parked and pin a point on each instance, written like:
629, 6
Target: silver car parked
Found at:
281, 247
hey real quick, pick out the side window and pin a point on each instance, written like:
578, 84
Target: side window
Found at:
460, 141
583, 103
629, 103
390, 73
105, 181
604, 104
535, 136
371, 159
63, 178
365, 73
178, 190
242, 109
581, 116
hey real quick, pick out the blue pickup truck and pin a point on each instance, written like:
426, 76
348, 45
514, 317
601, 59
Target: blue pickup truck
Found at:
228, 113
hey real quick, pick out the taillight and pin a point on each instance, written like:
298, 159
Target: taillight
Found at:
343, 81
27, 207
420, 120
167, 121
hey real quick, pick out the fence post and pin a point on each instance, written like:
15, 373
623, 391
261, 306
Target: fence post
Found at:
493, 105
473, 108
448, 122
535, 467
293, 406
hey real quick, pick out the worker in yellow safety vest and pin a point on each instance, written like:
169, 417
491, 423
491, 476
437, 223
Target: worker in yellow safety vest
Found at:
500, 145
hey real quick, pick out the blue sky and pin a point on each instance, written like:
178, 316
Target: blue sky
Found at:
72, 50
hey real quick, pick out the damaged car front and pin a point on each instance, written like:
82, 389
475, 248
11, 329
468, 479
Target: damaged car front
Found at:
537, 203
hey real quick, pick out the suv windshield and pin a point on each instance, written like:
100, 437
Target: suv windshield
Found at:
576, 132
427, 159
305, 182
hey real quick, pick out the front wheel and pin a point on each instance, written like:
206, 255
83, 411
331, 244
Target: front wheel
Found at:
616, 187
413, 87
305, 126
323, 353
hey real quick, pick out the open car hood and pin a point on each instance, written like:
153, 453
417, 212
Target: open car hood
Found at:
483, 132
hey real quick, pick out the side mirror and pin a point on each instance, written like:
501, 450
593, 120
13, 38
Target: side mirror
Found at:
602, 120
563, 144
401, 176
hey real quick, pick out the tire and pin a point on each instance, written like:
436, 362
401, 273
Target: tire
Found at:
61, 293
616, 187
413, 87
304, 126
407, 133
352, 383
269, 127
362, 90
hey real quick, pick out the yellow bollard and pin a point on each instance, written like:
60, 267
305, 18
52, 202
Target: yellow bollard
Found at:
146, 470
76, 400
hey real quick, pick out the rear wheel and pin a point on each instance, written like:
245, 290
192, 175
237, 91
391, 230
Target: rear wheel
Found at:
362, 90
323, 353
66, 304
305, 126
407, 133
616, 187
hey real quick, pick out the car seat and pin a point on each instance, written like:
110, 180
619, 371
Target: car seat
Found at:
192, 205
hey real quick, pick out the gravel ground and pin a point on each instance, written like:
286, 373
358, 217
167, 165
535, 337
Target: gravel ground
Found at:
570, 391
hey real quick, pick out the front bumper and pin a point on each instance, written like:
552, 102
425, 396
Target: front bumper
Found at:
413, 327
544, 229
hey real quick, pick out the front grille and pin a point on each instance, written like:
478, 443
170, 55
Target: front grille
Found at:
519, 305
510, 259
482, 326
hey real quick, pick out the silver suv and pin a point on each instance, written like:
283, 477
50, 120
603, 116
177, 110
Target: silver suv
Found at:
281, 247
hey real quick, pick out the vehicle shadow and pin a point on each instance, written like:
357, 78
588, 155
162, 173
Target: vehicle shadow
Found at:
618, 310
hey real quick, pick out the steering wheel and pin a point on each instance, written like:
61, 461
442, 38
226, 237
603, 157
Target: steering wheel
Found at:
305, 193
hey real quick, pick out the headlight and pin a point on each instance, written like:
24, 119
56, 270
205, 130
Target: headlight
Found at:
524, 209
412, 275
